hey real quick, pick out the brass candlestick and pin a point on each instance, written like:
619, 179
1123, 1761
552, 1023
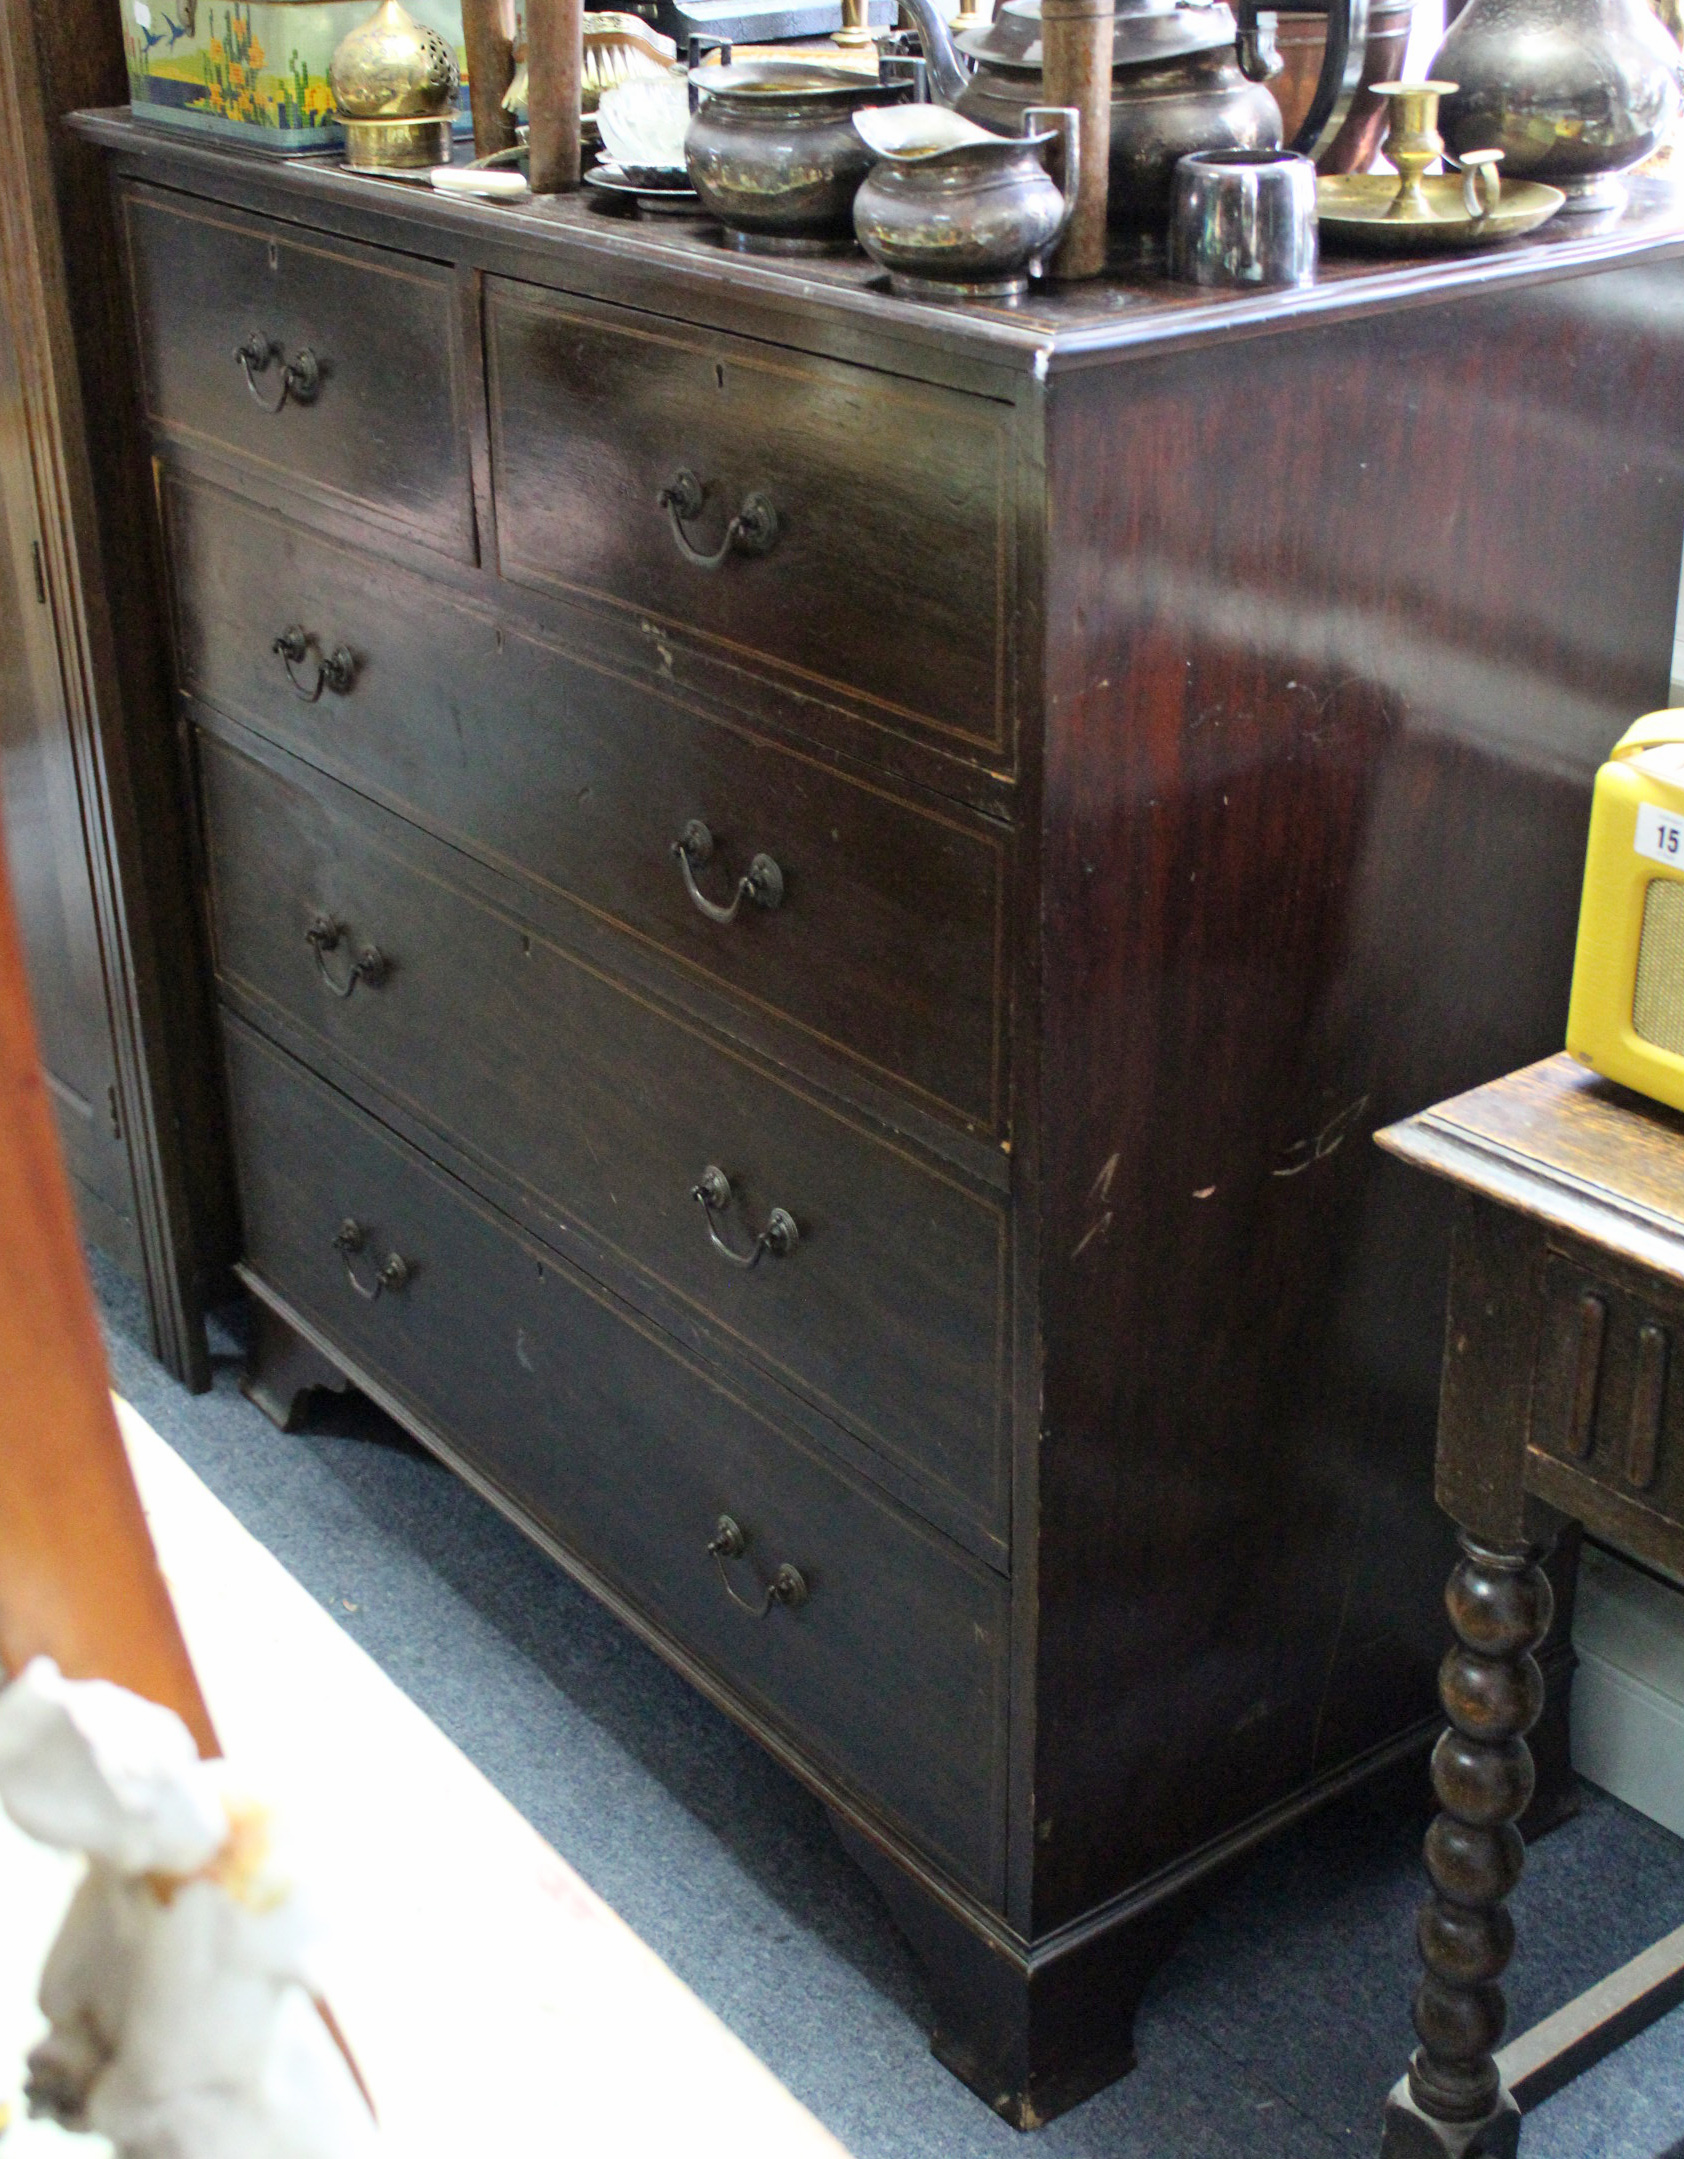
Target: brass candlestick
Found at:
1414, 140
1410, 213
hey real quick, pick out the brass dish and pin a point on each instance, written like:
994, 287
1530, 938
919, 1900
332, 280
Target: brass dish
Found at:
1355, 210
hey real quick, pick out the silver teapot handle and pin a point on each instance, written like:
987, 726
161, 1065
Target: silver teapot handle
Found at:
1065, 122
1340, 78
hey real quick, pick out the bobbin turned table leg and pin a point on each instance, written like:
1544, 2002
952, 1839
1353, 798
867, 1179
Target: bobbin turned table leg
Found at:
1453, 2104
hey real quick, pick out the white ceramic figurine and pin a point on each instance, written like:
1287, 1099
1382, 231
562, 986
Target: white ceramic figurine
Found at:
184, 2020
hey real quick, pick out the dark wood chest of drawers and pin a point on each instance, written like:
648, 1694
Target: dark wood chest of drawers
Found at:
1131, 750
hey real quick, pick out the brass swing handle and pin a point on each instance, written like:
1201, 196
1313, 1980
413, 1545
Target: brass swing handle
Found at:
780, 1236
753, 531
300, 378
325, 935
337, 671
788, 1585
762, 882
395, 1271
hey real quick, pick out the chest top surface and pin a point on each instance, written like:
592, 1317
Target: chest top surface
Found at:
1053, 328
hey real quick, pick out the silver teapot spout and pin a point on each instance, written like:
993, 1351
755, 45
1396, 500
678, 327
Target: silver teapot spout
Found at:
947, 73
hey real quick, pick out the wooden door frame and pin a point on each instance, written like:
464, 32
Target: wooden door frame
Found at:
59, 275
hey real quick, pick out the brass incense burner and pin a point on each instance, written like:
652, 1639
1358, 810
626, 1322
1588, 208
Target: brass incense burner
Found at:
1416, 212
394, 87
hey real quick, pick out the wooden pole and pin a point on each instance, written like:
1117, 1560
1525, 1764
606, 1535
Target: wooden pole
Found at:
555, 66
488, 32
1076, 38
78, 1578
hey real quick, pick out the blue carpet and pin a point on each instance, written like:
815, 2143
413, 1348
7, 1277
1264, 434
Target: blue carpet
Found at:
1273, 2033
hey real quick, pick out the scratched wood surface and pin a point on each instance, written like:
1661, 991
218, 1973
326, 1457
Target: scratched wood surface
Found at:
1319, 750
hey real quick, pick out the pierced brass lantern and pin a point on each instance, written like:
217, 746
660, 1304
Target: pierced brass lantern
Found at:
394, 91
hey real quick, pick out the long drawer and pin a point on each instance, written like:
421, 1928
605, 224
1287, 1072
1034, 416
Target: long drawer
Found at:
889, 1312
335, 366
891, 1673
887, 941
876, 557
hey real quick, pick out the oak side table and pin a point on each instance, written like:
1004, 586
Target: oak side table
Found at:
1561, 1402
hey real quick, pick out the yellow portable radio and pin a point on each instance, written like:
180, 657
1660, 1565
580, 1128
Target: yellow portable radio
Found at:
1626, 1018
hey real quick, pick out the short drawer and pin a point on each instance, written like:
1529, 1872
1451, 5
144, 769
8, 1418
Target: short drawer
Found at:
886, 573
360, 396
887, 942
889, 1311
891, 1674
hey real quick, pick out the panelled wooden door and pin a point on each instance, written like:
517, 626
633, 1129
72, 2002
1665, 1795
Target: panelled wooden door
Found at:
41, 807
91, 763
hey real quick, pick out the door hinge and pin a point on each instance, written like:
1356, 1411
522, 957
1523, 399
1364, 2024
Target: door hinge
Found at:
40, 573
114, 1113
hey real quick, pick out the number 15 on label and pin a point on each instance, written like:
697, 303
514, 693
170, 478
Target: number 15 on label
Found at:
1660, 834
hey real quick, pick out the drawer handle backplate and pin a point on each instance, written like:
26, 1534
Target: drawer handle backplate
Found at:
336, 671
300, 378
325, 935
753, 531
394, 1270
762, 882
788, 1585
779, 1237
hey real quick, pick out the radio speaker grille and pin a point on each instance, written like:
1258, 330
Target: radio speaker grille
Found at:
1657, 1005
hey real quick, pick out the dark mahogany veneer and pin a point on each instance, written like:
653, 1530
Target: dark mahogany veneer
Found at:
1170, 720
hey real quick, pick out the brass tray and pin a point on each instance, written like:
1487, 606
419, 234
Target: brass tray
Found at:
1353, 210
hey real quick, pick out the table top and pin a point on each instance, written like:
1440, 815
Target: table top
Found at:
1134, 304
1568, 1148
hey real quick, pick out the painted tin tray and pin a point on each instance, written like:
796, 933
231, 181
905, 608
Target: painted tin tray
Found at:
255, 70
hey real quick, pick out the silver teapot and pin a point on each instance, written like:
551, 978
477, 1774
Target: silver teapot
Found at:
1186, 75
1573, 92
951, 210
